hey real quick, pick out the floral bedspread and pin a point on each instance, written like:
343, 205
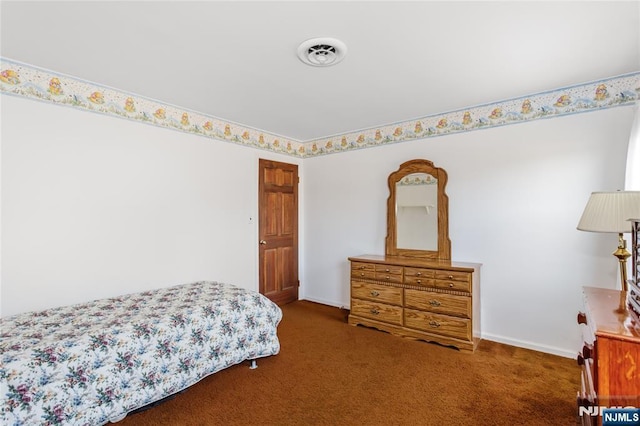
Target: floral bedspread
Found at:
92, 363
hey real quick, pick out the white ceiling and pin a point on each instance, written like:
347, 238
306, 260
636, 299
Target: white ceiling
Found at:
237, 60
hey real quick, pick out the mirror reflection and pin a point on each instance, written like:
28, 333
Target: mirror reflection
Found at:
417, 212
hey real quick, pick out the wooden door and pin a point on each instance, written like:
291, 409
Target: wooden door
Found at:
278, 230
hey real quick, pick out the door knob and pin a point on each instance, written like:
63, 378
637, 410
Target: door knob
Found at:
263, 242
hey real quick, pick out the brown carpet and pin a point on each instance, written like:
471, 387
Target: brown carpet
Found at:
331, 373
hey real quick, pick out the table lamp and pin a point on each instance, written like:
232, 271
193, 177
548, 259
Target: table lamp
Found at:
610, 212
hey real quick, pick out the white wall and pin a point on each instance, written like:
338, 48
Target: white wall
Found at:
95, 206
516, 194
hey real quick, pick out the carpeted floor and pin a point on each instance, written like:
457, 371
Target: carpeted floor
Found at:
331, 373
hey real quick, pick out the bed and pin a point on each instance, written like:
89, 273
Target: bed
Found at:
92, 363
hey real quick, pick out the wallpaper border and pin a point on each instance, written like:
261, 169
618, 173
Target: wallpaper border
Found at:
23, 80
596, 95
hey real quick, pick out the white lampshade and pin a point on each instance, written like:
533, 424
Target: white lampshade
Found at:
610, 211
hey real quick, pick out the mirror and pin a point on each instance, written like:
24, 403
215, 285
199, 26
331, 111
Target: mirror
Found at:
418, 212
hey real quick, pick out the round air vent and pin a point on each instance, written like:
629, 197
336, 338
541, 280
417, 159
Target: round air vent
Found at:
322, 52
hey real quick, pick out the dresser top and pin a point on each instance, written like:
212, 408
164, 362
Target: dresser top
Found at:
416, 262
604, 315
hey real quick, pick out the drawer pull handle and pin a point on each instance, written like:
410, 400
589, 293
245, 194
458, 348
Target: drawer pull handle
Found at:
388, 277
375, 311
451, 285
582, 318
362, 274
419, 273
434, 324
361, 267
419, 281
434, 302
450, 277
587, 351
375, 293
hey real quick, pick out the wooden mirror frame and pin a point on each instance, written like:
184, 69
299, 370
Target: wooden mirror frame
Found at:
444, 244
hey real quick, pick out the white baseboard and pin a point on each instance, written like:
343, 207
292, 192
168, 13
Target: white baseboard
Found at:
487, 336
327, 302
530, 345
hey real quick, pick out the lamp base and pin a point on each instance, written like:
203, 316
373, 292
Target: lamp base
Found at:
622, 254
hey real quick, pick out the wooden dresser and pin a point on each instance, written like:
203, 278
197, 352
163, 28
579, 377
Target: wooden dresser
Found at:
610, 357
431, 300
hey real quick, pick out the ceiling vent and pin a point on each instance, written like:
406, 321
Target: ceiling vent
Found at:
322, 52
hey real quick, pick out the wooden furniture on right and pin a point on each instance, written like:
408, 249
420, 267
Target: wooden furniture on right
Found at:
610, 357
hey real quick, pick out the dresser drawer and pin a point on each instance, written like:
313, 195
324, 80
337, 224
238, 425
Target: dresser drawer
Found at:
388, 273
389, 269
453, 280
419, 281
363, 270
419, 273
388, 278
365, 275
376, 292
419, 276
448, 304
587, 398
458, 328
588, 384
453, 276
361, 266
588, 333
453, 285
377, 311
